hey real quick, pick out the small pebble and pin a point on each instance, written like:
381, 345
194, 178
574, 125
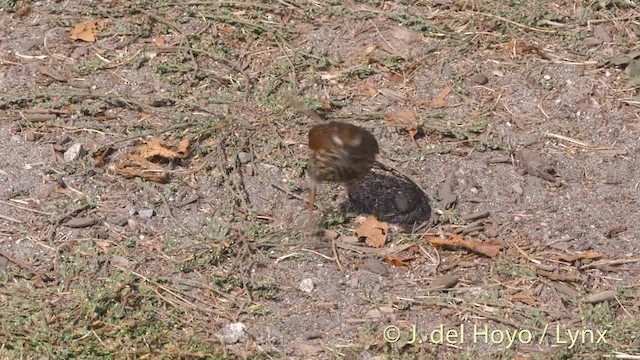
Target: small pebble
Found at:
480, 79
117, 220
244, 157
133, 225
74, 152
232, 333
376, 266
307, 285
131, 209
146, 213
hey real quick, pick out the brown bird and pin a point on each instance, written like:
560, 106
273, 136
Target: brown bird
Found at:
339, 153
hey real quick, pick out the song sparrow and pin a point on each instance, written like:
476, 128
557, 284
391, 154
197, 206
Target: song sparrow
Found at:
339, 152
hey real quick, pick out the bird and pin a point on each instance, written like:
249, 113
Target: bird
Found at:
339, 152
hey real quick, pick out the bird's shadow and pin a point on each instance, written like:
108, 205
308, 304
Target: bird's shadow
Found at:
390, 198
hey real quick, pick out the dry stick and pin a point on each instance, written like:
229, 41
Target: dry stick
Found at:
609, 262
335, 254
512, 22
9, 218
289, 192
527, 256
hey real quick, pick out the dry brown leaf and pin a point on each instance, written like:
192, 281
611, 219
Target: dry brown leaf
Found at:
87, 31
183, 148
405, 118
137, 166
69, 109
23, 11
591, 255
439, 101
370, 49
156, 147
104, 245
158, 40
374, 231
395, 261
395, 78
523, 298
100, 155
516, 48
52, 73
488, 248
326, 105
367, 88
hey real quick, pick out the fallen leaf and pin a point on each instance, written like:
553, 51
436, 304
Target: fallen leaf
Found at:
518, 48
183, 148
156, 147
104, 245
52, 73
373, 231
395, 78
81, 222
23, 11
87, 31
523, 298
69, 109
136, 166
367, 88
100, 155
608, 295
392, 94
443, 282
158, 40
370, 49
488, 248
395, 261
439, 101
591, 255
405, 118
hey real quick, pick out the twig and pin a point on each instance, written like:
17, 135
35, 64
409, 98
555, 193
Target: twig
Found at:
581, 143
527, 256
12, 219
512, 22
288, 192
609, 262
317, 253
335, 254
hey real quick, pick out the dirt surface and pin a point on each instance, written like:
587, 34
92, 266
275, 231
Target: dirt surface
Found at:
510, 188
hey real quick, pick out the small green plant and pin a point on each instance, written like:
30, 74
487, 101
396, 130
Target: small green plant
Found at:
88, 66
512, 270
451, 217
362, 72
